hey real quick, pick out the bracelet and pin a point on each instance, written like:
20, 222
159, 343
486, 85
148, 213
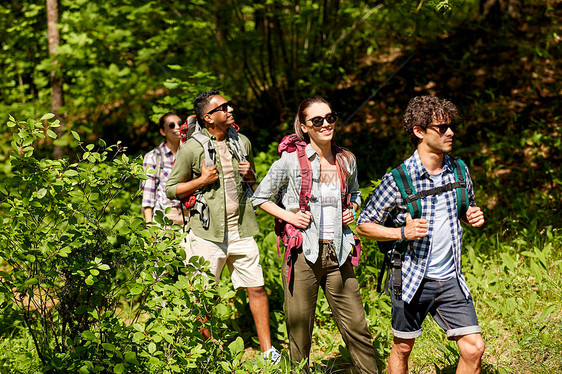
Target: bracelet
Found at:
354, 214
402, 233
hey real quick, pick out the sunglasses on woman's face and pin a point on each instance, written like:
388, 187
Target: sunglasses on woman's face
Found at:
319, 120
172, 125
444, 127
223, 107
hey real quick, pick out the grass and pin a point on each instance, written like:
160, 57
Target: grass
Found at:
516, 282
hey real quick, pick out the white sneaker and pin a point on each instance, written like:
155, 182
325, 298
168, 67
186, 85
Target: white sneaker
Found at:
272, 355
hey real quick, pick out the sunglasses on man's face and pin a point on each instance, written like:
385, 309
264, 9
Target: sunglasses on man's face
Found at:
172, 125
442, 129
319, 120
223, 107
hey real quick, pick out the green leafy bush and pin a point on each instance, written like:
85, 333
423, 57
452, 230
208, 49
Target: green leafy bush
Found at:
95, 288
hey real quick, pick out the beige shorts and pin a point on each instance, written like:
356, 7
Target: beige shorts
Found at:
240, 255
177, 217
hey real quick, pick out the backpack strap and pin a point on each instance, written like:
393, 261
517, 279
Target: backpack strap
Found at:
236, 145
346, 203
208, 149
406, 187
412, 198
462, 190
306, 180
159, 161
292, 237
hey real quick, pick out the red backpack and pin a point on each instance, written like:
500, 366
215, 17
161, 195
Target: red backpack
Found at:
289, 234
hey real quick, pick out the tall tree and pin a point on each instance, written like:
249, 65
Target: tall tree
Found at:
57, 97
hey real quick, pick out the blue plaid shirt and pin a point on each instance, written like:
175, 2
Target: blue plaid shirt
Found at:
386, 200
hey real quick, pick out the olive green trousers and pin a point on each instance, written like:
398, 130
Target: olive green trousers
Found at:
342, 292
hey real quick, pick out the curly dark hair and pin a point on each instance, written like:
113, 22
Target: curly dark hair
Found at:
422, 110
201, 101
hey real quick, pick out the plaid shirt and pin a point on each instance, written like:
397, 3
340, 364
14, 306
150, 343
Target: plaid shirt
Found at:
386, 200
154, 188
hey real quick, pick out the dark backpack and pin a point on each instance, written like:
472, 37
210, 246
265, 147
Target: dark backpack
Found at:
394, 250
289, 234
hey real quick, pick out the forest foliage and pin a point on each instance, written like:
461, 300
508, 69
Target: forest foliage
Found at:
78, 291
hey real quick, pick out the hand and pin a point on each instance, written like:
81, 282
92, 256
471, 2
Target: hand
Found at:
475, 216
347, 216
301, 220
415, 228
209, 175
245, 169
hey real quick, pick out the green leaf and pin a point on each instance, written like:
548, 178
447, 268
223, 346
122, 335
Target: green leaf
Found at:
51, 134
138, 327
508, 261
70, 173
236, 346
536, 269
41, 193
88, 335
225, 366
546, 312
130, 356
119, 368
104, 267
30, 282
47, 116
108, 347
75, 135
136, 289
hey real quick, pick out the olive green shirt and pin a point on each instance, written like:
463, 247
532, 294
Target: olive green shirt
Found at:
187, 167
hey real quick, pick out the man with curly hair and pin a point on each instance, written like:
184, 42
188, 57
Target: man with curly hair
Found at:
432, 281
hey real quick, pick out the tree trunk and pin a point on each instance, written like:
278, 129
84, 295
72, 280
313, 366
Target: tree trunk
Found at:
57, 98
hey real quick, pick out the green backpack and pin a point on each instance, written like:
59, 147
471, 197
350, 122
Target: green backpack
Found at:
394, 250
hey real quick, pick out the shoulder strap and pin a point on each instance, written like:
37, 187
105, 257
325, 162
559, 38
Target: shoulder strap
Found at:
159, 161
306, 180
404, 183
345, 196
412, 198
462, 190
236, 144
207, 144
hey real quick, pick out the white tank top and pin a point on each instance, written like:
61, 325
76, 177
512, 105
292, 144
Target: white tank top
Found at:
329, 195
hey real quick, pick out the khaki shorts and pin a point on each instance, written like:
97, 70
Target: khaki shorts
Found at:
240, 255
177, 217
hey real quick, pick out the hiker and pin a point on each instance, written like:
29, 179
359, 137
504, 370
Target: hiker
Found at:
223, 222
161, 160
324, 257
431, 277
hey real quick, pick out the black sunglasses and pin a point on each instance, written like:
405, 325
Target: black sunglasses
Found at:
444, 127
319, 120
172, 125
222, 107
